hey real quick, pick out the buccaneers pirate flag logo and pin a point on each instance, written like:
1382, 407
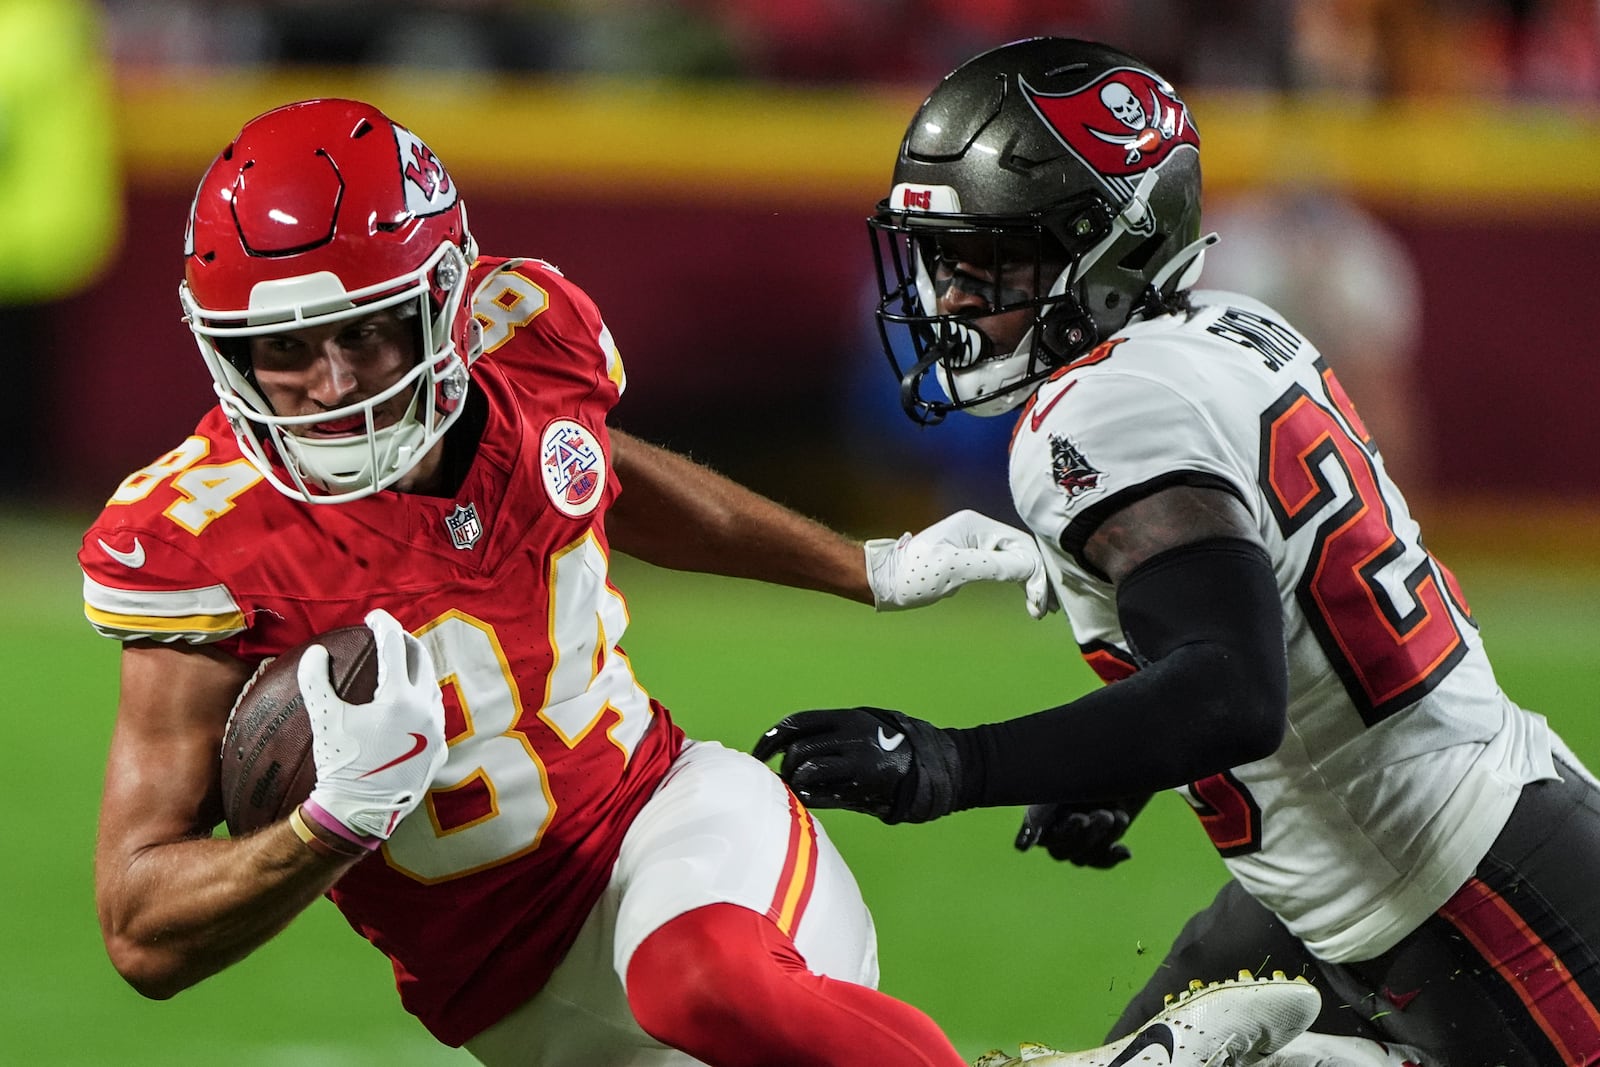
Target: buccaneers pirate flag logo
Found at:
1070, 470
1122, 124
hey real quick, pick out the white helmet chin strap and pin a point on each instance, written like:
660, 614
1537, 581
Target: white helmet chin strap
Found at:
996, 377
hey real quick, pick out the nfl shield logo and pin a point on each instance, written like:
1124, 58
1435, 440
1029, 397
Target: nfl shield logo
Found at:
465, 529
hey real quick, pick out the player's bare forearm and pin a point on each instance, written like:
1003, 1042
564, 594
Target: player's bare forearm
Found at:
175, 905
175, 914
675, 513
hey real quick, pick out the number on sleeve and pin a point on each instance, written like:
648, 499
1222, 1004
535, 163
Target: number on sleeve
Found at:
141, 483
205, 493
506, 301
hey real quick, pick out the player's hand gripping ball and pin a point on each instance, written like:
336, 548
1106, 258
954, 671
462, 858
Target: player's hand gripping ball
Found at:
267, 766
349, 726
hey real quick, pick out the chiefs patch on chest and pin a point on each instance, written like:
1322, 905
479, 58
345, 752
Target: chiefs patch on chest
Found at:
573, 466
1070, 470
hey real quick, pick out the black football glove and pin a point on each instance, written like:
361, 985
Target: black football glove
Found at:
869, 760
1085, 835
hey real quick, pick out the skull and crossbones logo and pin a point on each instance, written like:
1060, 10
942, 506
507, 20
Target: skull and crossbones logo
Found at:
1149, 128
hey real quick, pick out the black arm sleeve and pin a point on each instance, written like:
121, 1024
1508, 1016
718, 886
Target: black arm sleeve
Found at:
1205, 623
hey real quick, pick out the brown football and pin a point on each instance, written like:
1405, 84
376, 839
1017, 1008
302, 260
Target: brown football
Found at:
267, 768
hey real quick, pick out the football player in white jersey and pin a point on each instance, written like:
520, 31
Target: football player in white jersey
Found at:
1234, 560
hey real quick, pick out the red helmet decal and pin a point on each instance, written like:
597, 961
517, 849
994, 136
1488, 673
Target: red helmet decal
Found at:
1125, 122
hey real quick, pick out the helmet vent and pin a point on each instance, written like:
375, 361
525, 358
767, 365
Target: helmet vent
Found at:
1140, 257
362, 129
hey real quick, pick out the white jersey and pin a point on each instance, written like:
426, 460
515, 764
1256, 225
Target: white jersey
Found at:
1403, 758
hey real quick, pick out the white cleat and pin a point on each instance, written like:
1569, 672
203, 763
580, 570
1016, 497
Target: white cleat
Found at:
1235, 1023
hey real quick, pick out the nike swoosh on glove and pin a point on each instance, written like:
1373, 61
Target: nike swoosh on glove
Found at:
870, 760
375, 761
917, 569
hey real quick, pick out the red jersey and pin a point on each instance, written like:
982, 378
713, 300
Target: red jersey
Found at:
554, 746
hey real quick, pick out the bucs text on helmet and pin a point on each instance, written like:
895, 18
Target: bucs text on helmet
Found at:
1070, 173
319, 212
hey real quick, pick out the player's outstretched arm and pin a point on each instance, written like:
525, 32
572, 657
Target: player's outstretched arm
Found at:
175, 904
675, 513
1197, 598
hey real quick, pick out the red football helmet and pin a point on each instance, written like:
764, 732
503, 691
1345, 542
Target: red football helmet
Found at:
322, 211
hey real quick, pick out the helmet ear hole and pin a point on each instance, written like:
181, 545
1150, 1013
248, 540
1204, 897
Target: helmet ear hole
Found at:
1139, 257
236, 350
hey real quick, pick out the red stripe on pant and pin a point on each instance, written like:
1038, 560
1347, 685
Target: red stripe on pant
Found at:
1565, 1015
799, 871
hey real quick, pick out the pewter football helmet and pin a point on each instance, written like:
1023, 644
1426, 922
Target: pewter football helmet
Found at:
1076, 156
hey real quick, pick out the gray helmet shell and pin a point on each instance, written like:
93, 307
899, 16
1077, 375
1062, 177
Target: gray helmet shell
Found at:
1075, 143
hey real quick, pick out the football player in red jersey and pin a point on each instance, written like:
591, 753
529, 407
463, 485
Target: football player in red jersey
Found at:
1223, 535
411, 434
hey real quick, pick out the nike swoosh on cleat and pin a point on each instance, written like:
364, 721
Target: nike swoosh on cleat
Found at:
133, 559
1159, 1034
418, 744
887, 741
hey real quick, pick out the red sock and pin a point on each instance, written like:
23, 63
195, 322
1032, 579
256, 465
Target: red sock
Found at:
726, 986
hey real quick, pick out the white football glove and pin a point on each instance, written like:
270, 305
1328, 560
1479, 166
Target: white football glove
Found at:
920, 568
375, 761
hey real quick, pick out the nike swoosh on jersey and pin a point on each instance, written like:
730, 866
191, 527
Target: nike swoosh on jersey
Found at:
1037, 419
418, 743
1158, 1034
887, 741
133, 559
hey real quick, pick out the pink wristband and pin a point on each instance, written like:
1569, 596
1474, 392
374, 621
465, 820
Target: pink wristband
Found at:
313, 810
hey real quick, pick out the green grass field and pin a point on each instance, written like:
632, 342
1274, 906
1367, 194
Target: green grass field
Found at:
997, 946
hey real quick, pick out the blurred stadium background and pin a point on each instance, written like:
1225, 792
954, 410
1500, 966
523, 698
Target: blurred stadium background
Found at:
1418, 181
